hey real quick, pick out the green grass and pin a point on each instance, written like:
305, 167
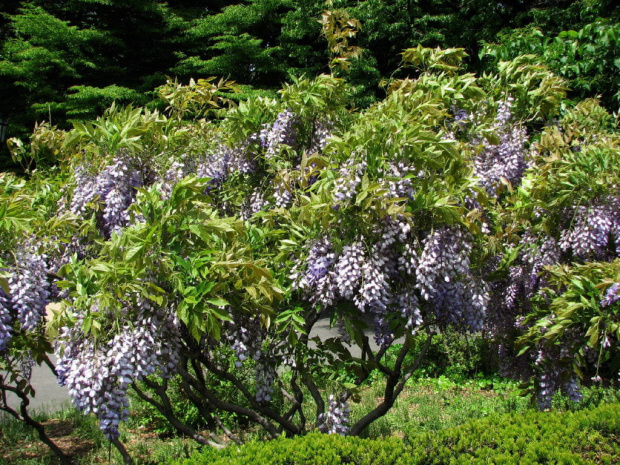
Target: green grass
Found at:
434, 404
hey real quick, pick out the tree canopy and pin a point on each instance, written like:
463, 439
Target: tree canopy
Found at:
70, 60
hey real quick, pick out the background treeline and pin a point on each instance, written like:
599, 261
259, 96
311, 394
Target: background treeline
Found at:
69, 60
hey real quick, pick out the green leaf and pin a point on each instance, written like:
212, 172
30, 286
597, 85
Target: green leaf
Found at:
100, 266
134, 253
218, 302
220, 313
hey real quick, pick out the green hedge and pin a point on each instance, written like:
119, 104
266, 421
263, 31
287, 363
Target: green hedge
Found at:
314, 448
587, 436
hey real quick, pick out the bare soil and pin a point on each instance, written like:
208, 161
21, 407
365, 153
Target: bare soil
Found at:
59, 431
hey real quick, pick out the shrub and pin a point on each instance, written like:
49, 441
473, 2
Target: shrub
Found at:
587, 436
316, 448
210, 249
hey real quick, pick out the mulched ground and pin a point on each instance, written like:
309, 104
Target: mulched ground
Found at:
60, 431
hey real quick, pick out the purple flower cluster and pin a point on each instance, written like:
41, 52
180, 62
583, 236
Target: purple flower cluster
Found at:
374, 293
283, 196
385, 277
246, 339
178, 170
318, 279
348, 269
349, 177
320, 135
119, 183
6, 312
407, 302
336, 419
591, 231
216, 166
445, 281
282, 132
511, 296
115, 187
612, 295
397, 180
265, 376
504, 162
551, 380
29, 288
98, 375
253, 204
547, 386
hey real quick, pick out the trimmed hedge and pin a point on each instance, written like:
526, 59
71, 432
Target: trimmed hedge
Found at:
586, 436
583, 437
314, 448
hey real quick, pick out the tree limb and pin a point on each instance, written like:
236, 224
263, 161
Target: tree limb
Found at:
165, 408
268, 412
393, 387
27, 419
121, 448
220, 404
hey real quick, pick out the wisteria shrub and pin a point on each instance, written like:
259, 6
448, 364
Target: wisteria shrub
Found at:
208, 249
561, 261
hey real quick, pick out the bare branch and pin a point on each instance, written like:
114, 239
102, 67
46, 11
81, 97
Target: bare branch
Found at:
27, 419
217, 403
165, 408
393, 387
121, 448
